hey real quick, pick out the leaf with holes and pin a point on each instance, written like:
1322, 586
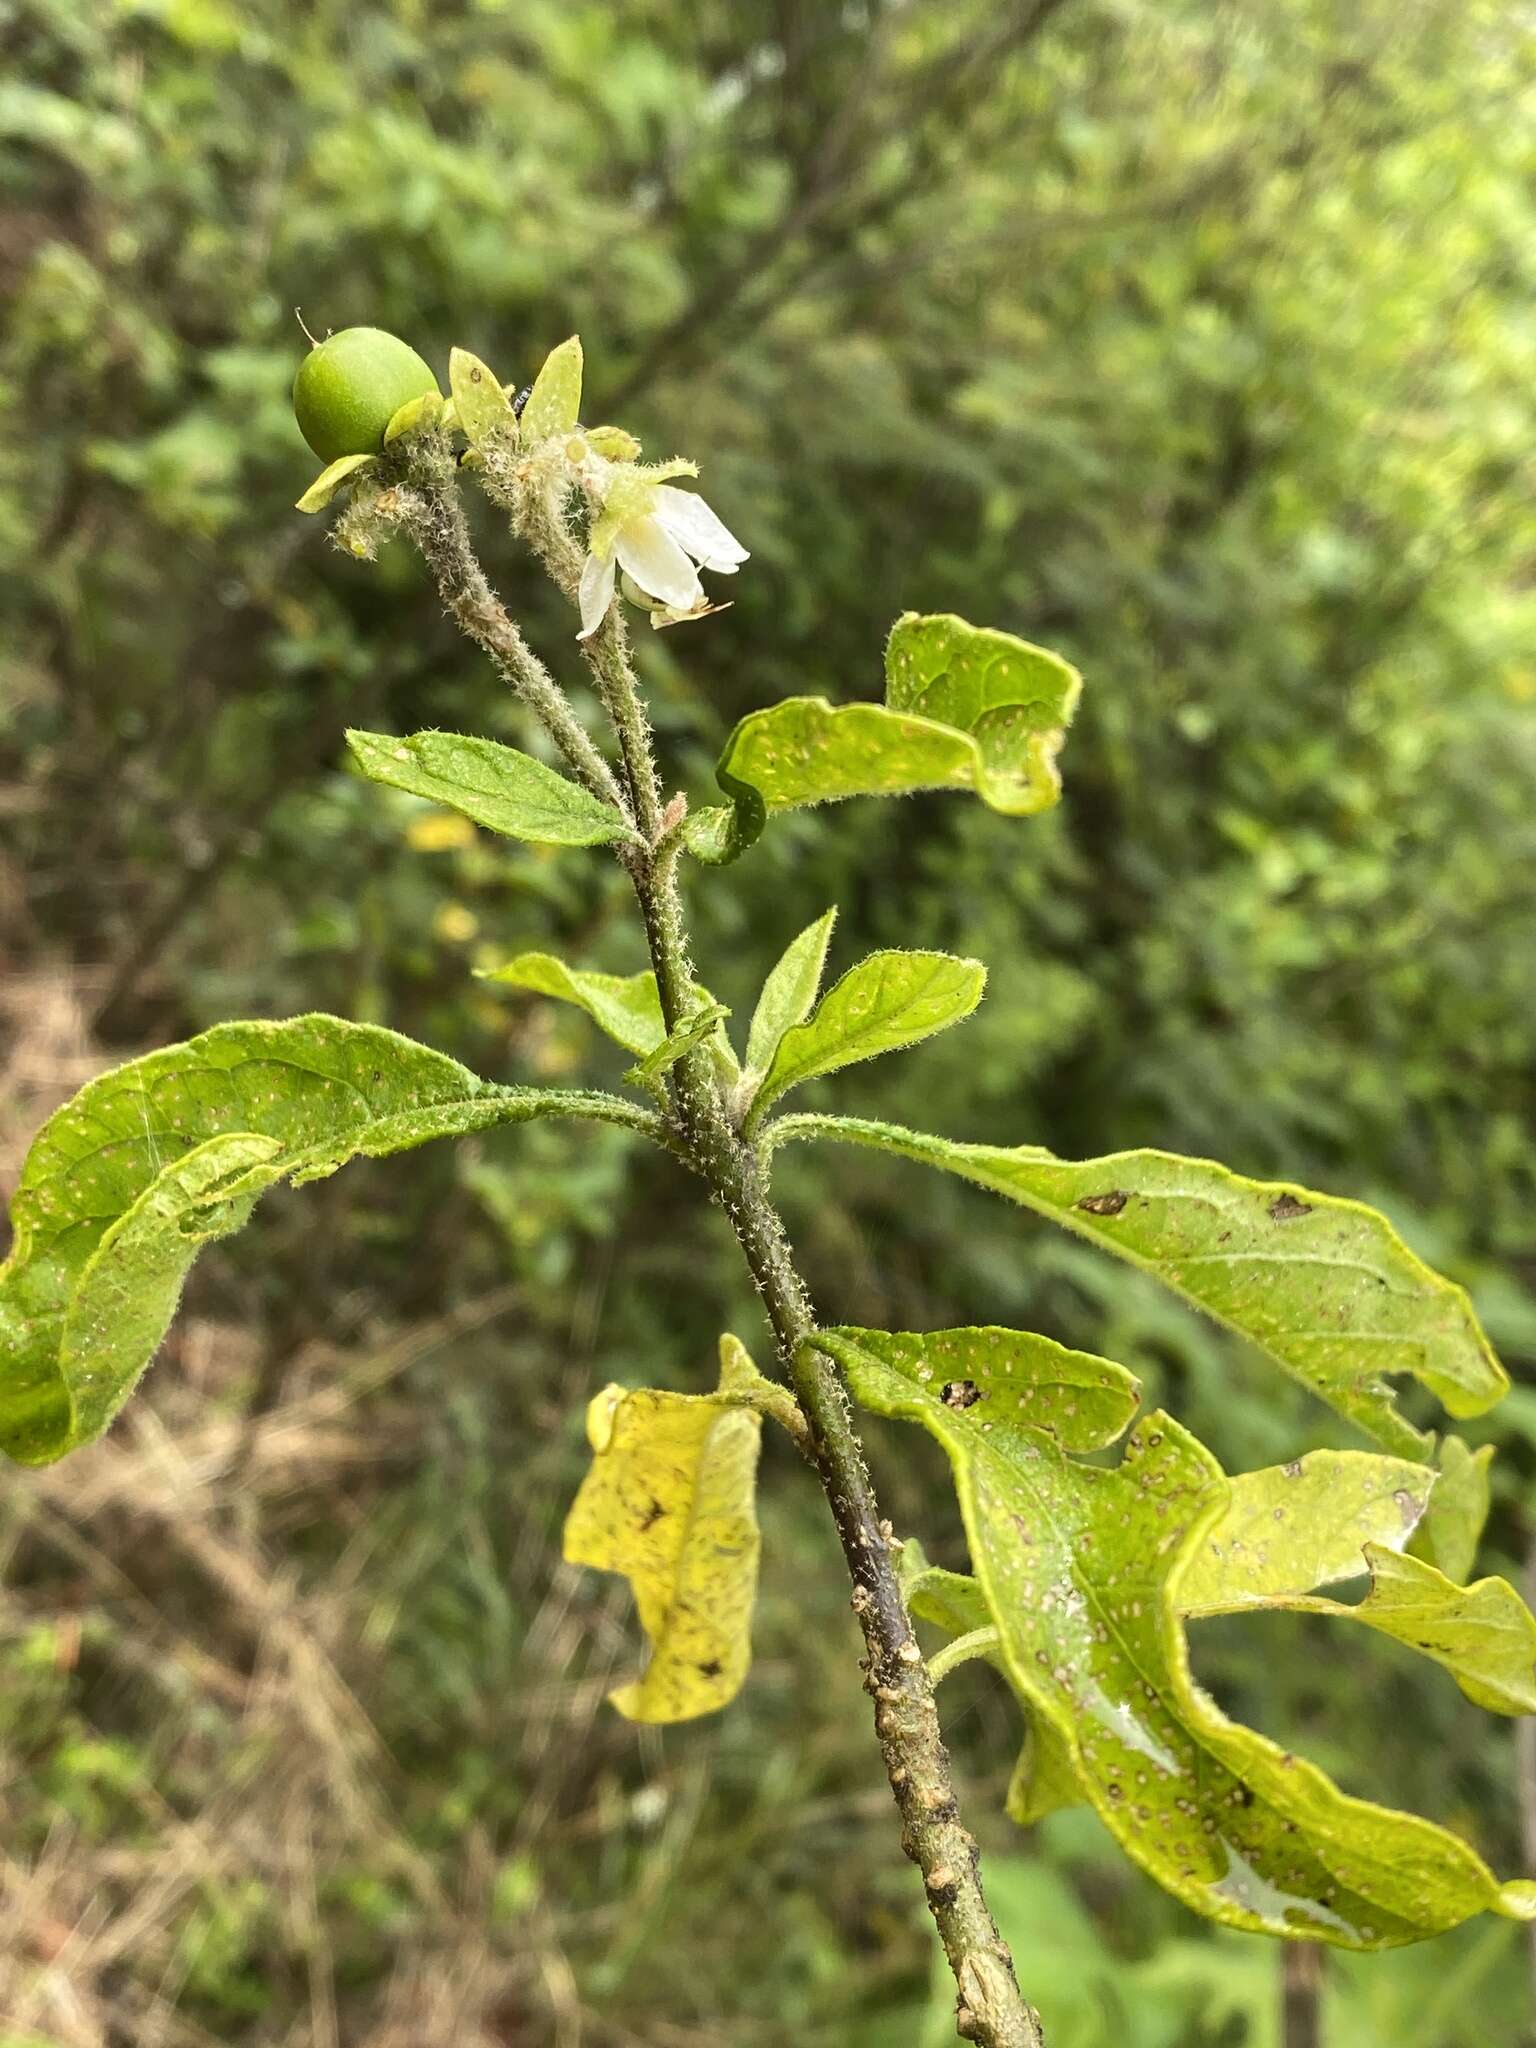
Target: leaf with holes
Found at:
499, 788
1325, 1287
1080, 1567
965, 708
888, 1001
126, 1183
671, 1503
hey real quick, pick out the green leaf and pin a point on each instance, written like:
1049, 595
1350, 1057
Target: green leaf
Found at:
1082, 1400
416, 412
1337, 1515
483, 408
1043, 1779
1291, 1527
1079, 1565
1325, 1287
554, 404
965, 708
148, 1163
889, 1000
1452, 1528
330, 481
626, 1006
499, 788
789, 992
690, 1031
670, 1502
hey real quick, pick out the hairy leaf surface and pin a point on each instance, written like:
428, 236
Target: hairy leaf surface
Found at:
965, 708
1325, 1287
887, 1001
483, 408
124, 1185
626, 1006
1079, 1566
689, 1031
331, 479
670, 1502
499, 788
554, 404
789, 993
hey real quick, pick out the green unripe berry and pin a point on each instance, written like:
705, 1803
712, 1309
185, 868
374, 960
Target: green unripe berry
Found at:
351, 385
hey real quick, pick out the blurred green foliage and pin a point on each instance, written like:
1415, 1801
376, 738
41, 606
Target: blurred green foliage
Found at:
1194, 341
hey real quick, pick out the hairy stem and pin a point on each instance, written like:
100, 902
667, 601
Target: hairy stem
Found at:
431, 512
990, 2008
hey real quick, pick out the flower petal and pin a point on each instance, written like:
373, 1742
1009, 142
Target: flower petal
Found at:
658, 564
699, 529
596, 593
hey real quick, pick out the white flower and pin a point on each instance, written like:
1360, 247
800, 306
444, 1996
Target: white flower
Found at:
661, 541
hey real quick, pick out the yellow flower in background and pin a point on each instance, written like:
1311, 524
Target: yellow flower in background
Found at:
439, 832
455, 924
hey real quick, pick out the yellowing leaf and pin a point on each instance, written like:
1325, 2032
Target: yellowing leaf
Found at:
1079, 1566
416, 412
670, 1502
1326, 1287
1337, 1515
1291, 1527
554, 403
331, 479
1043, 1779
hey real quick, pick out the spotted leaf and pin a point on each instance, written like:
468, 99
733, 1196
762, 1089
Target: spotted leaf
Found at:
1079, 1566
1324, 1287
670, 1502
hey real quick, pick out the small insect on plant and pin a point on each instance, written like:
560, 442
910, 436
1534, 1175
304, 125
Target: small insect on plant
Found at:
1085, 1570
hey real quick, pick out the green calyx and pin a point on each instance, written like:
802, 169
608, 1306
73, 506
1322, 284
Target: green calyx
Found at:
350, 386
